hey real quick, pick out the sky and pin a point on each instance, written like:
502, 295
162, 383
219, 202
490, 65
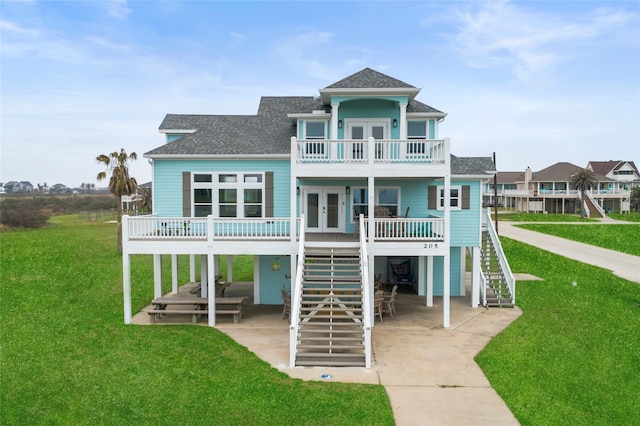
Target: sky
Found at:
536, 82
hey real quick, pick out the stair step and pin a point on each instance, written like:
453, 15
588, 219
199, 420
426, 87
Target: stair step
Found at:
334, 317
331, 363
329, 338
330, 348
312, 328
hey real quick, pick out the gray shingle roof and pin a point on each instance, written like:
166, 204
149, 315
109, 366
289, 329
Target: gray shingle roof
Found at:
267, 132
369, 79
561, 172
471, 165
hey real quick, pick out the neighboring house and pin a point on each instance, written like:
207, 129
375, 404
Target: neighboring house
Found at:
550, 191
624, 172
129, 201
506, 181
326, 193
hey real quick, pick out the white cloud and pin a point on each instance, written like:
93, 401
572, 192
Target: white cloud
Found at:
505, 34
117, 9
237, 39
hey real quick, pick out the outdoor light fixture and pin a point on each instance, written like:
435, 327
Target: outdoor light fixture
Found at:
348, 190
297, 190
275, 265
339, 124
395, 123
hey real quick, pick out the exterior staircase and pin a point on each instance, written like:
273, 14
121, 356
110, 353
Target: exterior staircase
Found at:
330, 318
593, 208
497, 289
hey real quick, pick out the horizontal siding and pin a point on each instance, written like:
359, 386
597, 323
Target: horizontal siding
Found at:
438, 278
465, 224
167, 181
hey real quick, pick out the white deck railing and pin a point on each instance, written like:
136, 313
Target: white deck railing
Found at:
571, 192
206, 228
407, 229
154, 228
363, 151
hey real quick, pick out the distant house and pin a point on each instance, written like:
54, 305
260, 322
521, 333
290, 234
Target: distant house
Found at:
59, 189
550, 191
12, 186
624, 172
26, 186
506, 181
326, 193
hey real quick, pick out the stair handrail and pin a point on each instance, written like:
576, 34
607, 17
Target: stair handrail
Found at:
502, 259
366, 299
483, 289
595, 204
296, 298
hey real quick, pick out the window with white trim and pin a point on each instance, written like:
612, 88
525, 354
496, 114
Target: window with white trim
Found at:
388, 197
228, 194
315, 130
455, 197
416, 130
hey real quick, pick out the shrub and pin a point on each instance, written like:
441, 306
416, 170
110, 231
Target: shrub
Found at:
23, 213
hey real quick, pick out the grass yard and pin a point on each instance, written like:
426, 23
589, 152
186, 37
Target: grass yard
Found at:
533, 217
67, 357
573, 357
628, 217
623, 238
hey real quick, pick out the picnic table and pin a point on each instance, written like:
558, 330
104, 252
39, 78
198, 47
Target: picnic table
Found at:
196, 306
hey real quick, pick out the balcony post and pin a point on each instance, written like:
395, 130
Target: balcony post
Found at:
334, 120
403, 121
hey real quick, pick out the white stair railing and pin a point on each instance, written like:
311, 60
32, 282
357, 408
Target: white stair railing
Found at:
504, 265
366, 299
296, 298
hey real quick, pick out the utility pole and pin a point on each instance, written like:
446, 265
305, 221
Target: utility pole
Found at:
495, 191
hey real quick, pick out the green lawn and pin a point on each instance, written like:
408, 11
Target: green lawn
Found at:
533, 217
628, 217
623, 238
68, 359
573, 357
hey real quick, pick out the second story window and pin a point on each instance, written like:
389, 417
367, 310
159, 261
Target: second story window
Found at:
315, 130
416, 130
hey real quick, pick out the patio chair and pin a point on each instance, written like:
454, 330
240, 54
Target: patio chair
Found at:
378, 300
388, 304
286, 304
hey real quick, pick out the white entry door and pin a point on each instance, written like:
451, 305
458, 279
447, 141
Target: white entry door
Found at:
324, 209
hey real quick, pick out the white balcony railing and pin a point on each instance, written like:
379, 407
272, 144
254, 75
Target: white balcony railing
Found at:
154, 228
205, 228
569, 192
363, 151
407, 229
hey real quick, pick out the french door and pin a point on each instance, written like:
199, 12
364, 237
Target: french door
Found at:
365, 130
324, 209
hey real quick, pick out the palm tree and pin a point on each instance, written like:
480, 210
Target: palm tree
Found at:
583, 179
143, 199
120, 183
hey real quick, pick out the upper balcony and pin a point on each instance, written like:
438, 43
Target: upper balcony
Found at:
360, 157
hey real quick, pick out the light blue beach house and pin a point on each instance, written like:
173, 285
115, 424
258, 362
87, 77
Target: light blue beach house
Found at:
329, 194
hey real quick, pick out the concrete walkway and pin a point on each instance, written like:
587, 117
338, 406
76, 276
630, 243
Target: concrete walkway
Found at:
621, 264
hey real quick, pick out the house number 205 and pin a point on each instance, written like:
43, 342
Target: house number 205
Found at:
431, 245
